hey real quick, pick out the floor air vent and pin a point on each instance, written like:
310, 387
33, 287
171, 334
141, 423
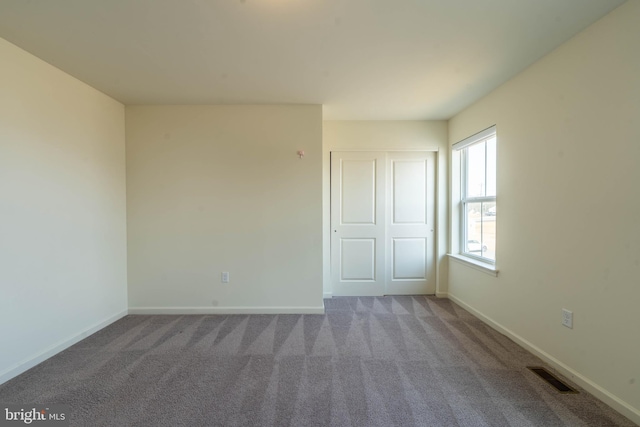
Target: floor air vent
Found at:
551, 379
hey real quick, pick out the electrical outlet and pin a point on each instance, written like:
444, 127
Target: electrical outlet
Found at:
567, 318
225, 277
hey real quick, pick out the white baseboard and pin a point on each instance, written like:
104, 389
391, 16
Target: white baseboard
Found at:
327, 295
442, 294
57, 348
610, 399
226, 310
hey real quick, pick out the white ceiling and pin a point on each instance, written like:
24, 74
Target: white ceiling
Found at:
362, 59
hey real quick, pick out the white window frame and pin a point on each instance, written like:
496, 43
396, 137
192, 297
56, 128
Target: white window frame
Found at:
462, 147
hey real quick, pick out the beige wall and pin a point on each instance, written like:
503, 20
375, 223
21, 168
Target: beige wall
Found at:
569, 212
62, 210
221, 188
388, 136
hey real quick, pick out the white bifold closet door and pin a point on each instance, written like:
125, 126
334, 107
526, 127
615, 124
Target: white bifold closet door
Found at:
382, 222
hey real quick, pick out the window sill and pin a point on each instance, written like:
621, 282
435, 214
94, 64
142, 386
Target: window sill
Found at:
476, 265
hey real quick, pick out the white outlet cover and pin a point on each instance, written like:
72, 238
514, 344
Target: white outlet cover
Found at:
567, 318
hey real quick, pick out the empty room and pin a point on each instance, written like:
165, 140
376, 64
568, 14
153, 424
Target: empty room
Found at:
320, 213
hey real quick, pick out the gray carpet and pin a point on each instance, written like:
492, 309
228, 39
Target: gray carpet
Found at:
368, 362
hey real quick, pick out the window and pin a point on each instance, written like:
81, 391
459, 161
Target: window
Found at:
478, 195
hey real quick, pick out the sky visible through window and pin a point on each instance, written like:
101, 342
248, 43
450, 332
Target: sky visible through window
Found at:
482, 169
481, 182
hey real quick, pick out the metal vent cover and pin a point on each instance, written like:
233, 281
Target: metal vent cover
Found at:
552, 380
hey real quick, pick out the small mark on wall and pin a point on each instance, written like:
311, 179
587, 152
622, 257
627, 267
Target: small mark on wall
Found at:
632, 381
